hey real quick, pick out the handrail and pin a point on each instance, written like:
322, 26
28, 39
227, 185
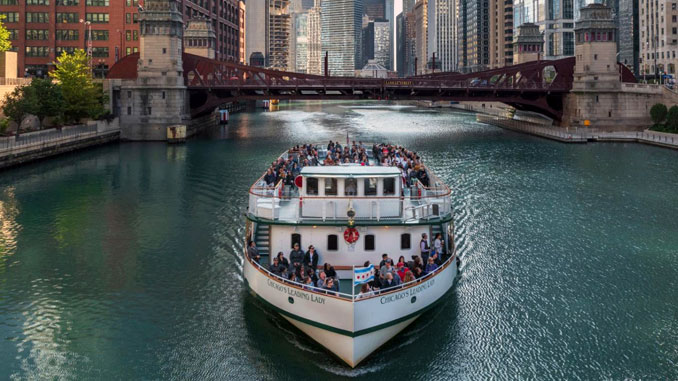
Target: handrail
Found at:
356, 297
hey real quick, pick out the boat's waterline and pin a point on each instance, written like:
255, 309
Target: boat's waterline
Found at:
350, 330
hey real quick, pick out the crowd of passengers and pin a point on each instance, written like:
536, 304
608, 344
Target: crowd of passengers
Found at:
302, 267
286, 170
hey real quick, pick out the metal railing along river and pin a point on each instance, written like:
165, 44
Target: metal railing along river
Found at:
52, 137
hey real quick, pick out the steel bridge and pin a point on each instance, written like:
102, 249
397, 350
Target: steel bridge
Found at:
539, 86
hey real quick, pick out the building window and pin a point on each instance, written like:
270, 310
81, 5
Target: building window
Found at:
330, 186
389, 186
135, 18
37, 34
67, 2
135, 35
99, 52
37, 17
67, 18
9, 2
405, 241
37, 2
65, 49
369, 242
97, 18
135, 49
97, 35
128, 18
296, 239
129, 110
97, 3
128, 35
370, 186
13, 34
332, 242
311, 186
67, 35
37, 51
9, 17
128, 51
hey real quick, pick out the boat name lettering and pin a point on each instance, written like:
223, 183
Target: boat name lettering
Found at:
409, 292
294, 292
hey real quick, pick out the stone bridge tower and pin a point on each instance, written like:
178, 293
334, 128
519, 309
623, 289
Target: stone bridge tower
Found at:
599, 99
158, 98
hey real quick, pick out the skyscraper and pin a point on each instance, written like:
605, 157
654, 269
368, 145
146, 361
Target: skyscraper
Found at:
314, 65
477, 20
342, 35
375, 9
501, 33
442, 39
300, 42
278, 32
421, 32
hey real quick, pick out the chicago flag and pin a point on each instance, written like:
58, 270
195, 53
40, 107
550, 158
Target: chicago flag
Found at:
363, 274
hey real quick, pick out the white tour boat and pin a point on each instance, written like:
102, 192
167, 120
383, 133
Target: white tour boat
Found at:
350, 213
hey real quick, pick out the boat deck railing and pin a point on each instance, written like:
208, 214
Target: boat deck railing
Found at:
352, 297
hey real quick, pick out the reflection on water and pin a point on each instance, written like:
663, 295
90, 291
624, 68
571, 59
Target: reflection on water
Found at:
124, 262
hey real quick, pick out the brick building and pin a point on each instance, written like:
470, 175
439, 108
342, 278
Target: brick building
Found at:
42, 29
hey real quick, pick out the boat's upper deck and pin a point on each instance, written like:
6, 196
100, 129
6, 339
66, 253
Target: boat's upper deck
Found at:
381, 185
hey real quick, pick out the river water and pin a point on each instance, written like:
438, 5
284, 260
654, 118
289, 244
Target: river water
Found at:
123, 262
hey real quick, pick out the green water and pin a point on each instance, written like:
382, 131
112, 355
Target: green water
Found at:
123, 262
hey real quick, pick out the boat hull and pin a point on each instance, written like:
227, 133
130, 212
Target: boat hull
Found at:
350, 330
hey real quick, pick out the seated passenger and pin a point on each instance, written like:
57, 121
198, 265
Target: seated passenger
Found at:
402, 270
401, 262
311, 274
275, 267
321, 280
282, 261
365, 291
387, 268
409, 277
390, 281
296, 256
308, 284
431, 266
331, 285
384, 259
329, 270
418, 272
252, 251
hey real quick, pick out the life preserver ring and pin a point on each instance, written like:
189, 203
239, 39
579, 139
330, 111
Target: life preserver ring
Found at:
351, 235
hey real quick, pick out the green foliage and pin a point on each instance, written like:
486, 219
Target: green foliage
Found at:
82, 97
5, 43
41, 98
4, 124
658, 113
672, 120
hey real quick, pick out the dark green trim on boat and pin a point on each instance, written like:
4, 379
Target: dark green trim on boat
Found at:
343, 331
345, 223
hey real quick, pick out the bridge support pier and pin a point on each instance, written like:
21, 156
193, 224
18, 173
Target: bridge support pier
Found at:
157, 98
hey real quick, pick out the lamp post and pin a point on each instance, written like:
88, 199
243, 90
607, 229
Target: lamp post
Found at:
88, 25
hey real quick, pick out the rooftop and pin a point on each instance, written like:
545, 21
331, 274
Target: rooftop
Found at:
351, 170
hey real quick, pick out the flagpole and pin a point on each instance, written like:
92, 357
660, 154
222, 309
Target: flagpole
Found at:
353, 285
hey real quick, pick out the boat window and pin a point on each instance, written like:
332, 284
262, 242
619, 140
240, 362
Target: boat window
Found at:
389, 186
296, 238
405, 241
330, 186
350, 187
311, 186
370, 186
332, 242
369, 242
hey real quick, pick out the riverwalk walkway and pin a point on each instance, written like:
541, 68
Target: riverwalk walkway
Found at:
581, 135
36, 145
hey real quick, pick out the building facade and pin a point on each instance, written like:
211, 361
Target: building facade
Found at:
658, 37
442, 37
342, 35
255, 22
382, 43
43, 29
300, 42
314, 65
477, 21
278, 35
421, 32
501, 33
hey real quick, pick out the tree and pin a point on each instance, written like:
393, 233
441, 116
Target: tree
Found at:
41, 98
672, 119
5, 43
658, 113
81, 96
